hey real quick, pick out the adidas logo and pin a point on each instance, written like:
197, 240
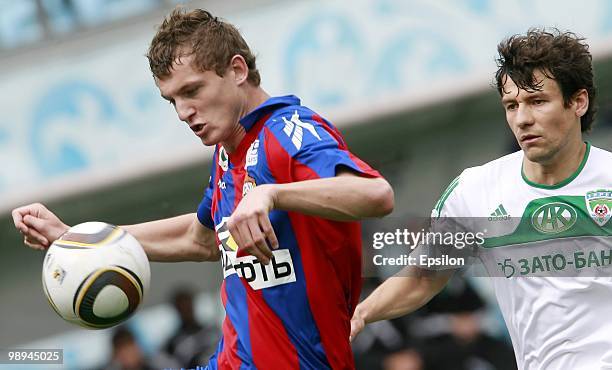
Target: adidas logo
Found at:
500, 214
294, 129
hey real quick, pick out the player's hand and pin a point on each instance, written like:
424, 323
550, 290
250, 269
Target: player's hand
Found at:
39, 226
250, 223
357, 324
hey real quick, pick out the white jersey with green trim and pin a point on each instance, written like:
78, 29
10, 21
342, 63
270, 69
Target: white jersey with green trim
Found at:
548, 250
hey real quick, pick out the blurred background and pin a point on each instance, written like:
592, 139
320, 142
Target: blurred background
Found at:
83, 129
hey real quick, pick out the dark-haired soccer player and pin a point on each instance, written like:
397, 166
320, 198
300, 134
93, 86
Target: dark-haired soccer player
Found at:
552, 260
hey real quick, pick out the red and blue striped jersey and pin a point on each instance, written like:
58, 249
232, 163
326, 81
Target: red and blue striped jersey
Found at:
295, 312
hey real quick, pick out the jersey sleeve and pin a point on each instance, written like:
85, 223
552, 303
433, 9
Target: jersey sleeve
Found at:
450, 213
447, 236
315, 146
448, 205
204, 208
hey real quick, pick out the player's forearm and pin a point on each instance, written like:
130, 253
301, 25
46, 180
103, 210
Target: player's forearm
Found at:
174, 240
396, 297
341, 198
401, 295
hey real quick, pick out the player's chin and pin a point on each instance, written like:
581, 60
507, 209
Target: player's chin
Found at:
208, 140
537, 154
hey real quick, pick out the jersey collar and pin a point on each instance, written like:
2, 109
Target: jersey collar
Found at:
256, 118
564, 182
271, 104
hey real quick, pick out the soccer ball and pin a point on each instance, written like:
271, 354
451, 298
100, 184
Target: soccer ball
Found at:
95, 275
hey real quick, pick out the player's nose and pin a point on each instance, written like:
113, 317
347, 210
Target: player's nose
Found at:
185, 111
524, 116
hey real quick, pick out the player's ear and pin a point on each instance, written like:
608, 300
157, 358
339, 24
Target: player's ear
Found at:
580, 101
241, 71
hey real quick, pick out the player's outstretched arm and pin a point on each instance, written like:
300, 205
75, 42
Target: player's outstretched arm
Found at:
181, 238
399, 295
176, 239
345, 197
39, 226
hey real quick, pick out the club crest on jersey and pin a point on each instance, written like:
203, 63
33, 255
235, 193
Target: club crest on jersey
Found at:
251, 156
249, 184
553, 218
223, 159
294, 129
599, 204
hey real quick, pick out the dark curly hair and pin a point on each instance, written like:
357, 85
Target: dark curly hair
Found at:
562, 56
212, 42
